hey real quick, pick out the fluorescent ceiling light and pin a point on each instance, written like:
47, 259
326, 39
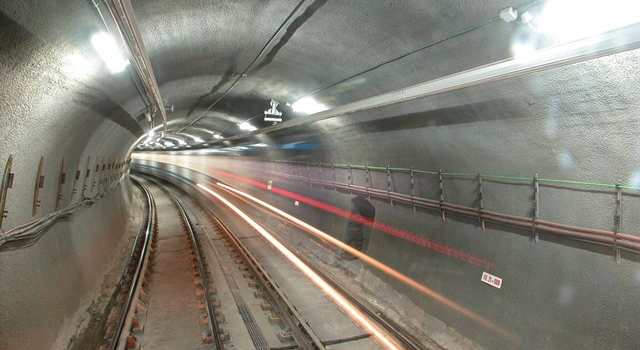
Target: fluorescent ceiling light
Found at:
217, 136
567, 20
197, 139
109, 52
246, 126
78, 66
169, 144
308, 105
260, 145
522, 49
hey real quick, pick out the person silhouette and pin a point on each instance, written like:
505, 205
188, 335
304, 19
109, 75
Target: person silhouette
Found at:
358, 233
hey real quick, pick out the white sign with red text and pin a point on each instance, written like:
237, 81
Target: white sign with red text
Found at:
491, 280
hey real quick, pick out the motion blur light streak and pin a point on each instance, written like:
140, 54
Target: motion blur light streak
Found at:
344, 304
394, 231
379, 265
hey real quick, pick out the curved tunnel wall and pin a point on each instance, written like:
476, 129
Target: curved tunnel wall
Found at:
48, 288
578, 122
58, 102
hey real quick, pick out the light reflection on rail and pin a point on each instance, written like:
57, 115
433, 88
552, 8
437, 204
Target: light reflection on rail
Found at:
380, 336
382, 227
379, 265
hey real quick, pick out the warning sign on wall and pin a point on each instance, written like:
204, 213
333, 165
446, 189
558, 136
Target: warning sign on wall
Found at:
491, 280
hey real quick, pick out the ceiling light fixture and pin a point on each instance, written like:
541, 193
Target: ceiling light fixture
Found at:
106, 47
247, 127
567, 20
273, 114
308, 105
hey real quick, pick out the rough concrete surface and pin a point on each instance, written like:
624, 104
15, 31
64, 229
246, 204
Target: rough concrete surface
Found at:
54, 281
575, 122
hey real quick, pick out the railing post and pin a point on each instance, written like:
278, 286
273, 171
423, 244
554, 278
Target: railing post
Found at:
389, 185
309, 174
413, 191
349, 177
617, 221
536, 207
333, 177
367, 179
480, 201
441, 179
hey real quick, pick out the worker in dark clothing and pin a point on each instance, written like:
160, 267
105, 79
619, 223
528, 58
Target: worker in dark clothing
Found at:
359, 227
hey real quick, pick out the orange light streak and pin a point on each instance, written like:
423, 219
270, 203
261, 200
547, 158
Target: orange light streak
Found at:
380, 266
338, 298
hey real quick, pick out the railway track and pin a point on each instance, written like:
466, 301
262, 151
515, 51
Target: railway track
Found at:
191, 273
165, 298
127, 302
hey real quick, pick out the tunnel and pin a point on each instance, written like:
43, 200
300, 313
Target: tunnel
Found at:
320, 174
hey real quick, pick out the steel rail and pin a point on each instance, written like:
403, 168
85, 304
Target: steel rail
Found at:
300, 330
408, 341
129, 309
213, 322
256, 335
128, 267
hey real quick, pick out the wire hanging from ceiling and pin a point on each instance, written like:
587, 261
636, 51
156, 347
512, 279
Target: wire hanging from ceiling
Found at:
409, 53
244, 72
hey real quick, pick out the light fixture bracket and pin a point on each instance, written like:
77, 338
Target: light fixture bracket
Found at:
273, 114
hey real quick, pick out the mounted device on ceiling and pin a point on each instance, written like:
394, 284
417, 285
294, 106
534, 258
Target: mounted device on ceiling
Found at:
273, 114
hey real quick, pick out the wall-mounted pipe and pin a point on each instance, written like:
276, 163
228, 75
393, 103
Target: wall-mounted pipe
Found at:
124, 18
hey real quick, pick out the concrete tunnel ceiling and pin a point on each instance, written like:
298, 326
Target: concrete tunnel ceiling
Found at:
198, 51
577, 121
